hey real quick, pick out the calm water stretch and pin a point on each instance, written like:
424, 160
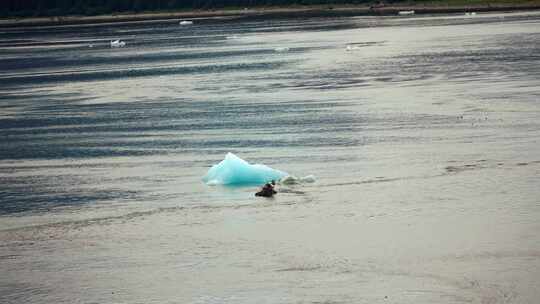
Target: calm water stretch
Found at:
423, 134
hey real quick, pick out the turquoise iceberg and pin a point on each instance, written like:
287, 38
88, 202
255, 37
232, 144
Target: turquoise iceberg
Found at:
235, 171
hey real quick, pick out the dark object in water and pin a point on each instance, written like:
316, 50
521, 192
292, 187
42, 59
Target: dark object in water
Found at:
267, 190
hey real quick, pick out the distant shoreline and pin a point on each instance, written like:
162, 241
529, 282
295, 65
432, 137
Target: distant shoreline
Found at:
265, 13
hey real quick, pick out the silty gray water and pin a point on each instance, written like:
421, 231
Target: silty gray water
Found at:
422, 132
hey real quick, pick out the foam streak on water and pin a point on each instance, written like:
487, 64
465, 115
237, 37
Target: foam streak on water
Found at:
423, 134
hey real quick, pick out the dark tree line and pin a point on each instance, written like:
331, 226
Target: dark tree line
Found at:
96, 7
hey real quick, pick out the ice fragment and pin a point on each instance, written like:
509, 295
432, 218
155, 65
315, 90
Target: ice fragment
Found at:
235, 171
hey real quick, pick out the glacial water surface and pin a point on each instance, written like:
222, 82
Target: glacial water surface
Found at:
423, 133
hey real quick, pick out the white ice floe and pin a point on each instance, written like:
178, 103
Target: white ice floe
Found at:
186, 22
292, 180
402, 13
359, 45
117, 43
281, 49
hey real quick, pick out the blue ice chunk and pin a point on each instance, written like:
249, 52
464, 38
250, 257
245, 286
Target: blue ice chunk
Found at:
235, 171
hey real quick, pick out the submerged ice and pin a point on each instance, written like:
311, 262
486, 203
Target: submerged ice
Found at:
235, 171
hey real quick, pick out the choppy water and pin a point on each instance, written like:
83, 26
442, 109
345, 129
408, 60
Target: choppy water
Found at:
423, 133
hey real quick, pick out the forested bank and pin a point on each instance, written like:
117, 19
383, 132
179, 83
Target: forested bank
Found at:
36, 8
98, 7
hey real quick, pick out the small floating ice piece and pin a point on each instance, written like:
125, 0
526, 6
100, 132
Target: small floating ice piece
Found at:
235, 171
289, 180
403, 13
358, 45
292, 180
117, 43
308, 179
281, 49
186, 22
